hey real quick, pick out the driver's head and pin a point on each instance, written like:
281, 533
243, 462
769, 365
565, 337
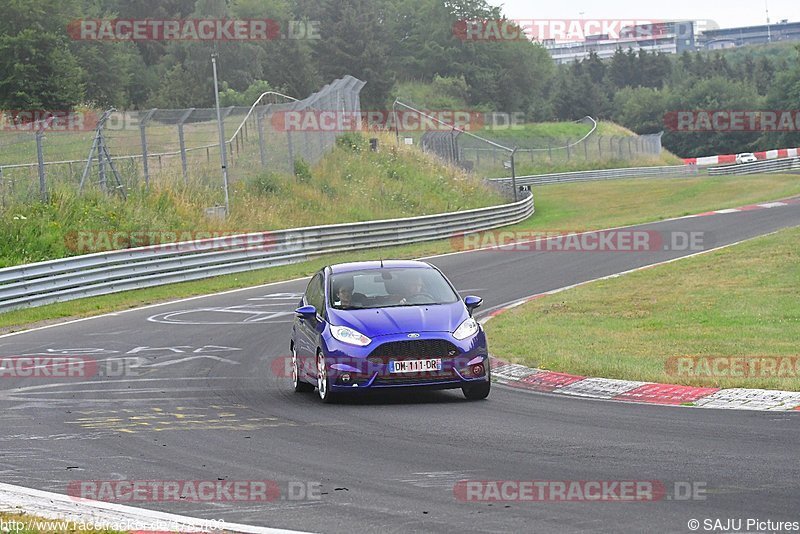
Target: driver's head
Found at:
344, 293
414, 286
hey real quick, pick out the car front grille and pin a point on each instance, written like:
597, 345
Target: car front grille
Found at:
416, 378
418, 349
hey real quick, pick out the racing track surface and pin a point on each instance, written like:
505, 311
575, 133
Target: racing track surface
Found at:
206, 403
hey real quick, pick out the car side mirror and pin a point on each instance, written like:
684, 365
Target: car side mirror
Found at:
306, 312
472, 302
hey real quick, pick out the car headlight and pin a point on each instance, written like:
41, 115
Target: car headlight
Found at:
350, 336
466, 329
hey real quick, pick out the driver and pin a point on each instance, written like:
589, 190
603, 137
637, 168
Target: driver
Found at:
344, 295
413, 287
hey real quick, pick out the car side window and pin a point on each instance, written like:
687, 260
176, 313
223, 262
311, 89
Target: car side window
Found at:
315, 294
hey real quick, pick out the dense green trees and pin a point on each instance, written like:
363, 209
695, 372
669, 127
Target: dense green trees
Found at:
392, 45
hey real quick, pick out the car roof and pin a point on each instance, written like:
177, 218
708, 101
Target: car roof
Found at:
386, 264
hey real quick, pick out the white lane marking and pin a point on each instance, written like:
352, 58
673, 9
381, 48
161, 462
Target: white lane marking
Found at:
190, 358
253, 316
731, 210
772, 204
148, 306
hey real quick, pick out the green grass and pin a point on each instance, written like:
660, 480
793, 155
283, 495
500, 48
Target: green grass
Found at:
737, 302
558, 207
347, 185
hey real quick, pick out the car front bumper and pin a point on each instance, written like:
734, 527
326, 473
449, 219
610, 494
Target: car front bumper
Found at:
352, 369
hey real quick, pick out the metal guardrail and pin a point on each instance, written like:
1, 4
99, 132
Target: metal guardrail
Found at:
102, 273
757, 167
604, 174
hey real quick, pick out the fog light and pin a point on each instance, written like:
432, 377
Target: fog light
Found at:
477, 369
345, 377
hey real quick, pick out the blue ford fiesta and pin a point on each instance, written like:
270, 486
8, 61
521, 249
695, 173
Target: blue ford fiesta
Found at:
388, 324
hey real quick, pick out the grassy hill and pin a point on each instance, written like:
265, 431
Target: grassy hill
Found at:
351, 183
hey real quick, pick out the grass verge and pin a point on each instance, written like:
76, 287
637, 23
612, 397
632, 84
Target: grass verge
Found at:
559, 207
739, 304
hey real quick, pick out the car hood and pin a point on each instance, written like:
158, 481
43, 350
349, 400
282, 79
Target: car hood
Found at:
401, 319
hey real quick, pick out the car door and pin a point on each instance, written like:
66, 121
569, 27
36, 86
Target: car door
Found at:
307, 338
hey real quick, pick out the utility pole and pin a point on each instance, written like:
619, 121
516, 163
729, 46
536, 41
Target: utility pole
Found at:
769, 30
221, 127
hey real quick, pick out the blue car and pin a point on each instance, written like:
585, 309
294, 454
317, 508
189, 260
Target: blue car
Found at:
385, 325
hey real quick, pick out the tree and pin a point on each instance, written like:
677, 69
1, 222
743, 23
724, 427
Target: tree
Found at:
354, 42
39, 70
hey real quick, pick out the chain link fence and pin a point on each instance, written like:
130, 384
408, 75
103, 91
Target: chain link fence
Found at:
490, 155
167, 145
489, 160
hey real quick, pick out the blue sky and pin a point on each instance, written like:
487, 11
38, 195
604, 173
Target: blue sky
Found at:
727, 14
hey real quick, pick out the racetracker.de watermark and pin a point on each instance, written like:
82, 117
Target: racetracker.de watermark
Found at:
576, 30
577, 490
727, 120
734, 366
65, 367
89, 241
445, 120
191, 29
622, 240
33, 120
209, 491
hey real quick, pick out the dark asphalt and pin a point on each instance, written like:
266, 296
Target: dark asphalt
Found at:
203, 401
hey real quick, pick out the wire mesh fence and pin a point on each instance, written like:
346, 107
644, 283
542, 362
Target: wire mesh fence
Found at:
490, 160
166, 145
491, 155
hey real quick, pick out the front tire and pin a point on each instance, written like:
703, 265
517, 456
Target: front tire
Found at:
323, 382
478, 391
298, 385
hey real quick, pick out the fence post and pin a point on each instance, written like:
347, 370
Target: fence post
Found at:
549, 151
261, 143
290, 150
569, 152
600, 147
143, 138
585, 151
40, 158
101, 165
182, 141
230, 143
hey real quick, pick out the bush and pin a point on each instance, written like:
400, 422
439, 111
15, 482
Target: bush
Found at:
352, 141
264, 184
302, 170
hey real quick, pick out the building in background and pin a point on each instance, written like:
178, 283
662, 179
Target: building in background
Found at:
749, 35
671, 38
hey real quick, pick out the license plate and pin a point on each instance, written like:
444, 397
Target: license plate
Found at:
415, 366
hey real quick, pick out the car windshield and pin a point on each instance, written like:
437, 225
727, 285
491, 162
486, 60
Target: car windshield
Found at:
390, 287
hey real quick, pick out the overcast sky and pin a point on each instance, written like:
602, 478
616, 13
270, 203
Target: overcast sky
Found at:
727, 14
